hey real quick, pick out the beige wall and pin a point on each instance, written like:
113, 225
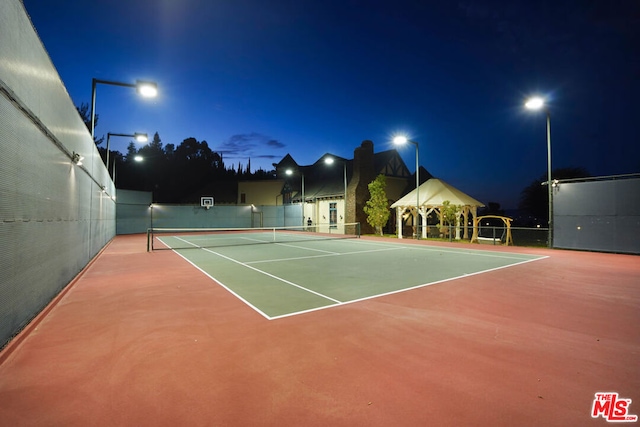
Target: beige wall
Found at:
322, 214
260, 192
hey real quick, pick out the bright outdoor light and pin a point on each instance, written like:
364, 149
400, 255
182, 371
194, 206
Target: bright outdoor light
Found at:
330, 161
537, 103
147, 89
400, 139
289, 172
141, 137
534, 103
138, 158
77, 158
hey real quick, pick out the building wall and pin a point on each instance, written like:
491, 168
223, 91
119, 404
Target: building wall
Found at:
323, 216
55, 215
358, 187
395, 188
598, 215
266, 192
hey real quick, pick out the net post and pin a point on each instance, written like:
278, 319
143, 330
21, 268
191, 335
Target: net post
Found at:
148, 244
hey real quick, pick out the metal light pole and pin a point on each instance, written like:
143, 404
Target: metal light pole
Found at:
399, 140
290, 172
146, 89
140, 137
330, 161
537, 103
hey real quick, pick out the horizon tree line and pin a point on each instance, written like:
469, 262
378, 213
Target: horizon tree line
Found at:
174, 174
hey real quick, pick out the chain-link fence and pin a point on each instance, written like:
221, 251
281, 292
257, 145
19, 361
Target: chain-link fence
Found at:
493, 235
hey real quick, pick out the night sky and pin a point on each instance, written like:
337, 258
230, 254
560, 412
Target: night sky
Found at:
262, 78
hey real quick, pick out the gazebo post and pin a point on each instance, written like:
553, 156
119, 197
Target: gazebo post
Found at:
458, 213
474, 214
465, 214
399, 212
423, 232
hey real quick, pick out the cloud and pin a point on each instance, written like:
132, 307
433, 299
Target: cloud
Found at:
275, 143
254, 145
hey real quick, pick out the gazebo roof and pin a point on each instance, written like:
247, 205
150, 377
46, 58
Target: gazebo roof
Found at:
435, 192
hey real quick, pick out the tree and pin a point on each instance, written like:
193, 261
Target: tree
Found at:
449, 212
377, 207
85, 115
534, 199
449, 215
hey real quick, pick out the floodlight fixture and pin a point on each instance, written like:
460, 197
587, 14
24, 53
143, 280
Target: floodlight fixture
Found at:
77, 158
400, 139
534, 103
138, 136
141, 137
144, 88
147, 89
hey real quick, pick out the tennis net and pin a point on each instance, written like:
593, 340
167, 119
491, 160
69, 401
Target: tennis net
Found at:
193, 238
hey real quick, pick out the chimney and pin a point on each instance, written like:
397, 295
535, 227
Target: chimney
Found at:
358, 189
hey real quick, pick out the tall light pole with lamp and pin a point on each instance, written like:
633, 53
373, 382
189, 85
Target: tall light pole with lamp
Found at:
139, 137
400, 140
537, 103
330, 161
291, 172
146, 89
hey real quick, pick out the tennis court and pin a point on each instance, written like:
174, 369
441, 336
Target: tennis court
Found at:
144, 338
282, 271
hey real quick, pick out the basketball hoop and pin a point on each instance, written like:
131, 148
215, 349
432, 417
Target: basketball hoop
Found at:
206, 202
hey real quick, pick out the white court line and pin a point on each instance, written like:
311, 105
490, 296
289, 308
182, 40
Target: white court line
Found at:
406, 289
307, 249
271, 275
262, 313
252, 268
323, 256
340, 303
476, 252
289, 245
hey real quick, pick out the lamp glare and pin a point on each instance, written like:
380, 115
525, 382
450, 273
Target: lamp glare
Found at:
147, 89
534, 103
400, 139
141, 137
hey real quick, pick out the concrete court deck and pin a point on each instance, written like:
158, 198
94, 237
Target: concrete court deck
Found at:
146, 339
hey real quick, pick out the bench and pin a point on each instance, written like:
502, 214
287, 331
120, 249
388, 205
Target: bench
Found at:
489, 240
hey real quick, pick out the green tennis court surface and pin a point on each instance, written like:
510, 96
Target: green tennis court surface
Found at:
283, 279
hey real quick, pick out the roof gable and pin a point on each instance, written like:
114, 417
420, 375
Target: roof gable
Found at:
435, 192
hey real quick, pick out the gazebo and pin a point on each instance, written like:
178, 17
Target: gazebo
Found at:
432, 195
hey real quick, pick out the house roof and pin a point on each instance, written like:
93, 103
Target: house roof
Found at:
435, 192
323, 180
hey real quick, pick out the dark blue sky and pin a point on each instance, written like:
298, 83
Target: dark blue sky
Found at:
259, 79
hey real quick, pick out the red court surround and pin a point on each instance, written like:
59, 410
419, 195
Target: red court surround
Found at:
145, 339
